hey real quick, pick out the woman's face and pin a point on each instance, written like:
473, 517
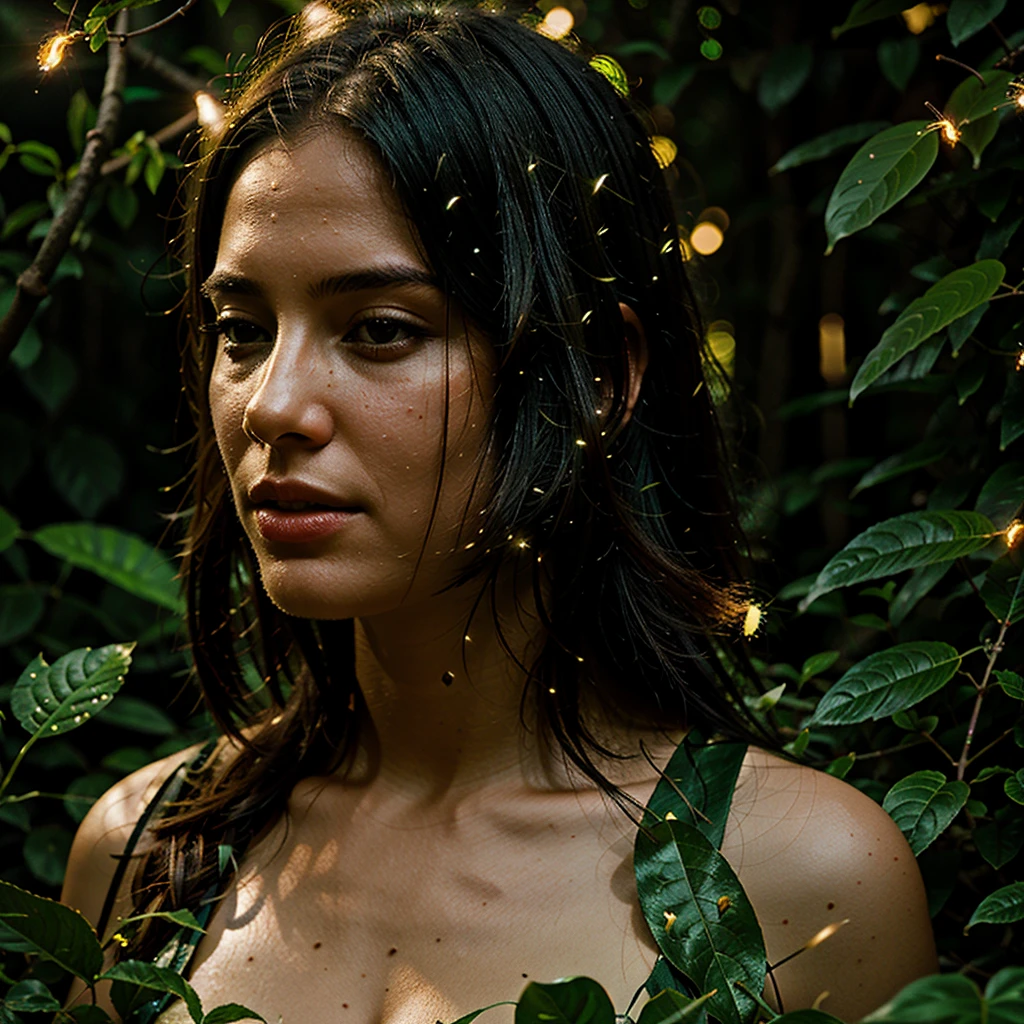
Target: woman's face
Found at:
328, 389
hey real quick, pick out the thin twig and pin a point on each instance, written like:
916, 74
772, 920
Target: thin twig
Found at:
147, 60
872, 754
989, 746
123, 36
165, 134
949, 60
33, 283
1002, 39
935, 743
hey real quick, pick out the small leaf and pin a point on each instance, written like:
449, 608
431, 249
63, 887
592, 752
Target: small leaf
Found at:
947, 300
154, 170
137, 973
229, 1012
1004, 906
788, 69
85, 469
183, 917
923, 454
884, 170
897, 59
969, 376
570, 1001
1000, 592
52, 699
863, 12
9, 529
140, 717
963, 327
1013, 787
903, 542
1011, 682
51, 377
123, 204
923, 805
922, 581
967, 17
816, 664
1001, 839
120, 558
887, 682
222, 9
52, 930
20, 218
976, 108
31, 997
991, 773
841, 766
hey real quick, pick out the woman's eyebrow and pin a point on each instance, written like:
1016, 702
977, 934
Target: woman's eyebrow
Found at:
224, 282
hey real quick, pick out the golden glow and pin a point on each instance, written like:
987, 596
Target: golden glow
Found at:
1020, 361
752, 618
826, 933
670, 919
1013, 532
557, 23
947, 128
715, 215
722, 343
51, 53
317, 19
724, 903
832, 348
706, 238
664, 150
919, 17
209, 111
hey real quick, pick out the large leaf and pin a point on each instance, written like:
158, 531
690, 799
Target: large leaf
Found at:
827, 144
30, 997
53, 931
923, 805
863, 12
903, 542
569, 1001
52, 699
968, 17
700, 916
947, 300
937, 999
1004, 906
137, 974
887, 682
884, 170
121, 558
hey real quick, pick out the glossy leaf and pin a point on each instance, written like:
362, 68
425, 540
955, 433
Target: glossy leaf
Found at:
1013, 787
923, 805
947, 300
52, 699
30, 997
897, 59
1011, 682
937, 999
841, 766
1001, 839
670, 1007
903, 542
136, 975
882, 172
120, 558
1003, 592
967, 17
1004, 995
864, 12
963, 327
229, 1012
681, 879
825, 145
887, 682
569, 1001
976, 108
816, 664
52, 930
468, 1018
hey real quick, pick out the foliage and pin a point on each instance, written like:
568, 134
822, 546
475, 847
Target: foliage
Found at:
891, 649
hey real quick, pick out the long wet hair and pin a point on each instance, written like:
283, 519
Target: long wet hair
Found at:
531, 183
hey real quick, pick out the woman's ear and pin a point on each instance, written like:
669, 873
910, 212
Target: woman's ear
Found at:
636, 357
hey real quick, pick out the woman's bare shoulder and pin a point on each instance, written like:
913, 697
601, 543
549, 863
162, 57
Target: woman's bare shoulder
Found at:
812, 851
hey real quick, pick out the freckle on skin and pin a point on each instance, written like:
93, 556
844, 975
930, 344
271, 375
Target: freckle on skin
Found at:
785, 920
392, 951
831, 906
317, 945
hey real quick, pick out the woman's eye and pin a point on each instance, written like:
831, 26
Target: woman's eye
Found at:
384, 333
237, 332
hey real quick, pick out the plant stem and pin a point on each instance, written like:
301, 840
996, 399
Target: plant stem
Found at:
122, 36
147, 60
32, 283
938, 746
161, 136
989, 746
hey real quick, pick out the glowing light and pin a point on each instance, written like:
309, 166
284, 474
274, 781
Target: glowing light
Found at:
706, 238
1019, 365
664, 150
452, 202
832, 348
523, 544
1014, 532
670, 919
317, 19
557, 23
581, 442
946, 126
752, 619
597, 188
826, 933
722, 344
209, 111
670, 816
919, 17
51, 53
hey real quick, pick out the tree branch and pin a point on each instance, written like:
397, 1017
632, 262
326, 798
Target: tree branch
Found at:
165, 134
33, 283
147, 60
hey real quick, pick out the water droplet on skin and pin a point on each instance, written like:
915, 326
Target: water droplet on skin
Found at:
273, 216
274, 186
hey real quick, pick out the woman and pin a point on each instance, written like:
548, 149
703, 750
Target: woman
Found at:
460, 511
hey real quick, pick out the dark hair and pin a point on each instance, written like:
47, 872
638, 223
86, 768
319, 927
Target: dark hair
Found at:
562, 213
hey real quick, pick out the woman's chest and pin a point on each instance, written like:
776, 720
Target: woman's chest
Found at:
396, 925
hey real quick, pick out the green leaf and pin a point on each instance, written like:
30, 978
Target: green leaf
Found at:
937, 999
120, 558
45, 853
968, 17
825, 145
81, 117
1000, 590
887, 682
884, 170
140, 716
86, 1013
142, 975
974, 107
841, 766
49, 700
997, 238
9, 529
969, 376
1013, 787
85, 470
24, 215
992, 772
83, 791
51, 377
963, 327
923, 805
27, 351
920, 584
903, 542
1004, 994
816, 664
229, 1012
669, 85
787, 72
569, 1001
923, 454
863, 12
123, 204
183, 917
53, 931
897, 59
154, 170
31, 997
98, 37
947, 300
681, 881
670, 1007
1001, 839
1011, 682
611, 69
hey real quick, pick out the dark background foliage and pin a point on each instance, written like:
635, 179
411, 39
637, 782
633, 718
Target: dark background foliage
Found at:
92, 427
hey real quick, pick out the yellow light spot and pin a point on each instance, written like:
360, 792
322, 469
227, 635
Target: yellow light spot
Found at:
586, 316
832, 348
752, 619
581, 442
51, 52
919, 17
669, 816
1013, 532
452, 202
120, 939
670, 919
209, 111
664, 150
667, 247
597, 188
530, 168
523, 544
551, 689
706, 238
1020, 361
472, 543
557, 23
722, 345
724, 903
579, 657
826, 933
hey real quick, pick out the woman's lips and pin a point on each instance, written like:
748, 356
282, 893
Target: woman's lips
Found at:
299, 527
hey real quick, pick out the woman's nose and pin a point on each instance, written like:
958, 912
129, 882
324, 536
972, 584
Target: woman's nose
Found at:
288, 406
